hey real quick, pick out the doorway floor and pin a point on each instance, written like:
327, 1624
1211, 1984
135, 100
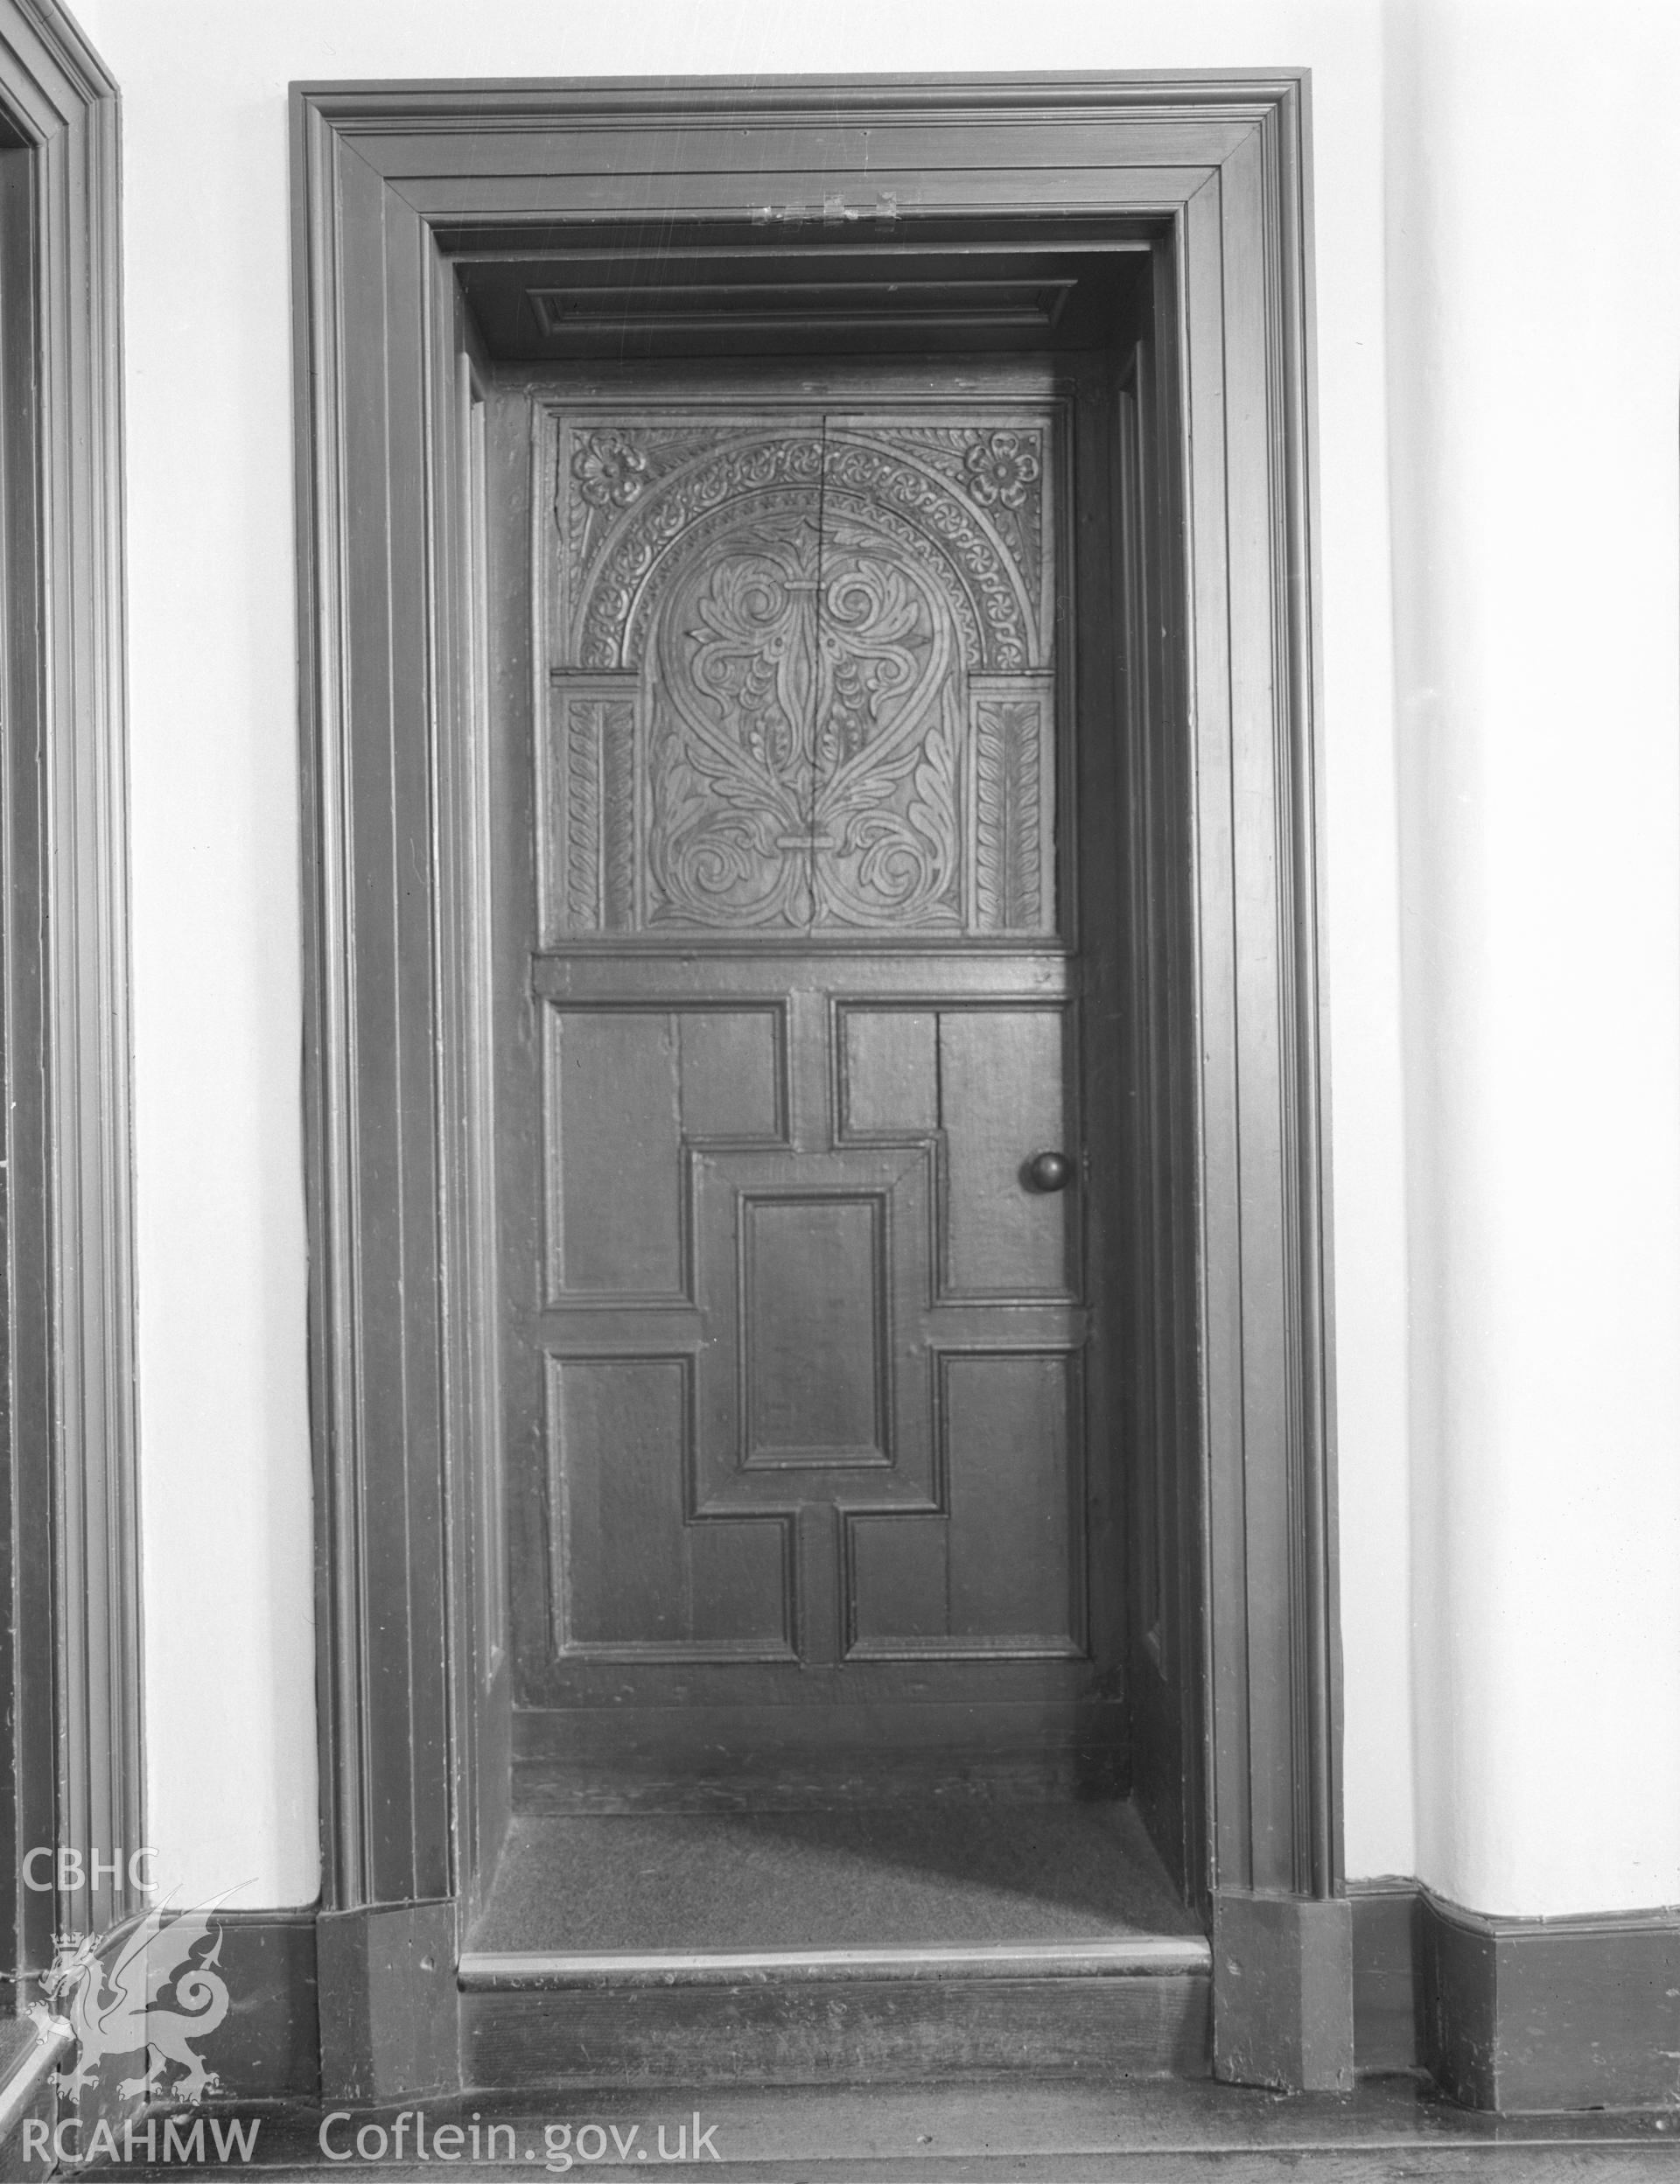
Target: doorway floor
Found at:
898, 1875
851, 1943
1027, 2129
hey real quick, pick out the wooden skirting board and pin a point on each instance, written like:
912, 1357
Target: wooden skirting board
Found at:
1518, 2015
27, 2089
1510, 2015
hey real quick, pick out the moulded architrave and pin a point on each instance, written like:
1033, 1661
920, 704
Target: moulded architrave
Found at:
388, 178
74, 1670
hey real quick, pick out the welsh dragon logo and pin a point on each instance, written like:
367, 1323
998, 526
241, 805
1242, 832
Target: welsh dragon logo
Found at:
160, 1992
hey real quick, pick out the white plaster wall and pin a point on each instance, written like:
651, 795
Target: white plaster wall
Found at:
1535, 357
229, 1590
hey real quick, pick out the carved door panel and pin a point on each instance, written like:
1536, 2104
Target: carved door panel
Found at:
798, 1365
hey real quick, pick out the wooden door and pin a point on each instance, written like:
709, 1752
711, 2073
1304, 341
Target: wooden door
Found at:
797, 1333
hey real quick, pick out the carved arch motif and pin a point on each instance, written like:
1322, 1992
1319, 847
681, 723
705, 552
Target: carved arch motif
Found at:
789, 642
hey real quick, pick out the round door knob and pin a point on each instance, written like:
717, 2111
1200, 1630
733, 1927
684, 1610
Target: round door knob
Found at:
1050, 1170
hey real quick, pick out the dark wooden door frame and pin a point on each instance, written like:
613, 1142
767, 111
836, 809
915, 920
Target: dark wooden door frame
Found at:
71, 1643
388, 179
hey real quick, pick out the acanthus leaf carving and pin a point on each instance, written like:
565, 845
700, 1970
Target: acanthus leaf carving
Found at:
803, 679
1009, 818
803, 609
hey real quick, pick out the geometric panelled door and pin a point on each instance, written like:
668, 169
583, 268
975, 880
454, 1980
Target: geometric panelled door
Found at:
833, 781
809, 1322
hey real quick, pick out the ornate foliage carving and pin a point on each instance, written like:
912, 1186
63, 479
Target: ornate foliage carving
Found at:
598, 733
617, 815
801, 603
1002, 472
801, 759
1008, 765
582, 814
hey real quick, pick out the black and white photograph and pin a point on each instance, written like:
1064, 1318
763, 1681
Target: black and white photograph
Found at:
840, 1031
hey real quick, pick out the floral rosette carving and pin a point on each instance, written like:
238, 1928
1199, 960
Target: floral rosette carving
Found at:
998, 469
610, 470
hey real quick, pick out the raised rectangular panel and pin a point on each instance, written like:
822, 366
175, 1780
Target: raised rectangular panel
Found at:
618, 1437
740, 1595
632, 1570
998, 1570
813, 1272
611, 1150
1014, 1482
734, 1072
1001, 1101
889, 1072
812, 1313
898, 1569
